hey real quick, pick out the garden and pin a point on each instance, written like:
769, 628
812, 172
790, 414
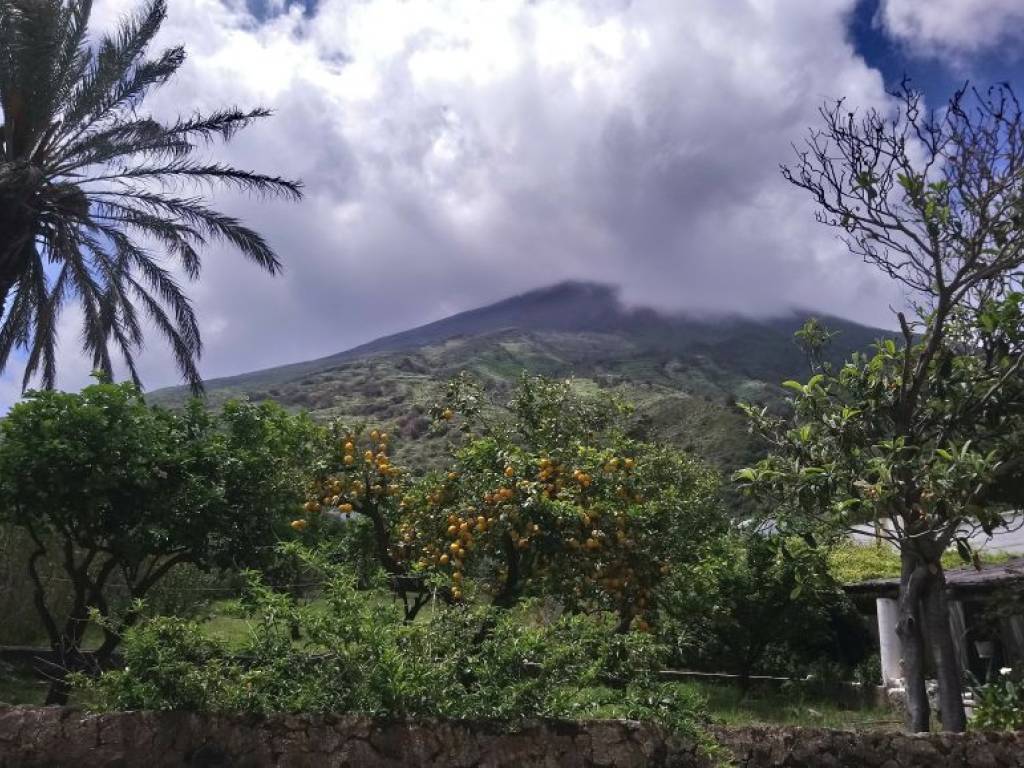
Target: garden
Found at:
554, 560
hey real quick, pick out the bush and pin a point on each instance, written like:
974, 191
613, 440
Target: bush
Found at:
1000, 703
458, 662
760, 604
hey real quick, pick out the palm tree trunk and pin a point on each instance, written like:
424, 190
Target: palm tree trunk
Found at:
15, 233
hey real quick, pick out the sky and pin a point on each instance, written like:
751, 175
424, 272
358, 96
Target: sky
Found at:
456, 152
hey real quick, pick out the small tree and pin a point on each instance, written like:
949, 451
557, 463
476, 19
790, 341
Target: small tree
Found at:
357, 485
120, 493
553, 499
923, 435
751, 600
545, 498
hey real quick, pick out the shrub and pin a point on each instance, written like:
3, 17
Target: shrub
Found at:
1000, 703
758, 604
357, 658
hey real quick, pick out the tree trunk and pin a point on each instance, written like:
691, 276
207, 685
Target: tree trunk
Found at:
58, 692
68, 648
947, 665
68, 659
508, 595
625, 619
913, 577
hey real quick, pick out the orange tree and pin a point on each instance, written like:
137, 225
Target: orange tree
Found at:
552, 497
548, 497
356, 488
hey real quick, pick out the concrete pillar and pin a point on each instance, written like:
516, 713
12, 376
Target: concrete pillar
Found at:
889, 646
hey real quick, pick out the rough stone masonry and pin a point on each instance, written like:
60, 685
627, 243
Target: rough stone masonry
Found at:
55, 737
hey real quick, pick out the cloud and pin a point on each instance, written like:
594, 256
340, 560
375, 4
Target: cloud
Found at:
455, 153
953, 27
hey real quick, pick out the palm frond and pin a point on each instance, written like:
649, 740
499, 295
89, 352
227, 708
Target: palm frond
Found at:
184, 351
86, 185
209, 174
48, 305
107, 79
204, 220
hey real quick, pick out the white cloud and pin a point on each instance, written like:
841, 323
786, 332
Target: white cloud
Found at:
954, 27
456, 152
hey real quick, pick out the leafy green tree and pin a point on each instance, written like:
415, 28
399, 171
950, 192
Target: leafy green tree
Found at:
753, 603
119, 493
922, 436
89, 183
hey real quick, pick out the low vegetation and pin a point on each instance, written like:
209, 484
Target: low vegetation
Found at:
459, 661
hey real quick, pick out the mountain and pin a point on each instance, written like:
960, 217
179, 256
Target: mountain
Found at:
683, 372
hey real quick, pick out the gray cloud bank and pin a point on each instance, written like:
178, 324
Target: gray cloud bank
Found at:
455, 153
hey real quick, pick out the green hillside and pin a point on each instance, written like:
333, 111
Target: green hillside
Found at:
684, 374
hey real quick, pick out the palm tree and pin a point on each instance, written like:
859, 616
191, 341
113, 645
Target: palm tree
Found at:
91, 189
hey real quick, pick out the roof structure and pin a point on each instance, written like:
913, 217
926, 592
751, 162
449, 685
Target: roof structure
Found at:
960, 582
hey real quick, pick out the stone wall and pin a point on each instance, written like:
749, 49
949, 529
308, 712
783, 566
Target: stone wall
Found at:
53, 737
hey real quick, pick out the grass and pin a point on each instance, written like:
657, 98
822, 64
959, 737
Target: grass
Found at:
20, 687
853, 562
726, 703
730, 706
225, 624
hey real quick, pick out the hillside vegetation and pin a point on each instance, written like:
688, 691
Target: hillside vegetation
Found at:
683, 374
